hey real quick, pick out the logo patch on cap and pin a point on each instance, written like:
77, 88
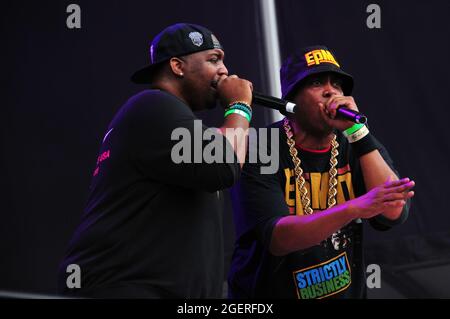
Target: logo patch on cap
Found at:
196, 38
317, 57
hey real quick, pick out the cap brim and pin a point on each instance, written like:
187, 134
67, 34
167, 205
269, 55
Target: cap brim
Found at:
347, 85
144, 75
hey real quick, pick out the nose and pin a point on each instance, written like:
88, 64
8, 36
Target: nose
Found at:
329, 90
223, 70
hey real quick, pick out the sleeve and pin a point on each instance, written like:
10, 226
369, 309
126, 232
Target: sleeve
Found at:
168, 145
380, 222
258, 202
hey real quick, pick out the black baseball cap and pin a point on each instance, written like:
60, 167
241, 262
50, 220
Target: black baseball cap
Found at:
176, 40
308, 61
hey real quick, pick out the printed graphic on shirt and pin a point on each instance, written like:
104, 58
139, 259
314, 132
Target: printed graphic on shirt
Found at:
317, 187
102, 157
323, 280
340, 240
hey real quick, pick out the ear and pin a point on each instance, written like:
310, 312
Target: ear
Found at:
177, 66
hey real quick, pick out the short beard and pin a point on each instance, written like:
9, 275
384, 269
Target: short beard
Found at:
318, 132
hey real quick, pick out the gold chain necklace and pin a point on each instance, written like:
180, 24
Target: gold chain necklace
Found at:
300, 180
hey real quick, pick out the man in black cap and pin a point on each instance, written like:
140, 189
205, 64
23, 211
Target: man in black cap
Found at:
152, 226
299, 231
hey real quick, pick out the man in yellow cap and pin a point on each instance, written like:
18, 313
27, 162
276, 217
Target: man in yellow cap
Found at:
299, 230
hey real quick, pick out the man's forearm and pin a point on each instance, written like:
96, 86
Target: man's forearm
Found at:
235, 129
293, 233
376, 171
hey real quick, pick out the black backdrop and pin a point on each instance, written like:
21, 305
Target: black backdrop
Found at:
61, 87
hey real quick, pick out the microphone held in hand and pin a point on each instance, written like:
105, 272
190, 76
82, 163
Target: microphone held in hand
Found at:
349, 114
273, 102
285, 106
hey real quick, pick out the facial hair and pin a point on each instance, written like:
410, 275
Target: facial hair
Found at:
318, 130
214, 104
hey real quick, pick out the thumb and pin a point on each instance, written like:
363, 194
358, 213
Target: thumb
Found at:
322, 106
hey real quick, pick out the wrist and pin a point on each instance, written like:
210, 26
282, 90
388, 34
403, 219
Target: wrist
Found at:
240, 108
350, 210
360, 139
364, 145
237, 102
352, 129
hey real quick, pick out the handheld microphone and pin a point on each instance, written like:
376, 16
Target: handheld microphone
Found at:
289, 107
351, 115
273, 102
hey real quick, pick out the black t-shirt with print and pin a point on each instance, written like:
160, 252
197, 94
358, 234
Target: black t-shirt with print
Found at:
152, 227
335, 268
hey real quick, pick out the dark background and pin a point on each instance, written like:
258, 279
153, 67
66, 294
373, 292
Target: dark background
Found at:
60, 88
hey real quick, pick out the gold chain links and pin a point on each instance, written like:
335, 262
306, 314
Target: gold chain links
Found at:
300, 180
333, 173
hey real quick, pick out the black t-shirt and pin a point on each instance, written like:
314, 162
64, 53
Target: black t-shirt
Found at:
335, 268
152, 227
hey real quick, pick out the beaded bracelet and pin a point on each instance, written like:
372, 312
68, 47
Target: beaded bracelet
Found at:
239, 106
245, 104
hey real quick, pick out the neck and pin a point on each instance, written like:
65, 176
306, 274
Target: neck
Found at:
171, 87
310, 141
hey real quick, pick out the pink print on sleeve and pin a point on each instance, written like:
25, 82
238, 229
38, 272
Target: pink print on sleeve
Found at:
102, 157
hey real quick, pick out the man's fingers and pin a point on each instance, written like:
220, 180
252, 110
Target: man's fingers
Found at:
337, 100
221, 78
391, 183
394, 197
395, 203
398, 196
403, 187
333, 101
400, 185
410, 194
224, 77
324, 108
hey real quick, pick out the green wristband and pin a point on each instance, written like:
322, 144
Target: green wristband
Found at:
353, 129
240, 112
